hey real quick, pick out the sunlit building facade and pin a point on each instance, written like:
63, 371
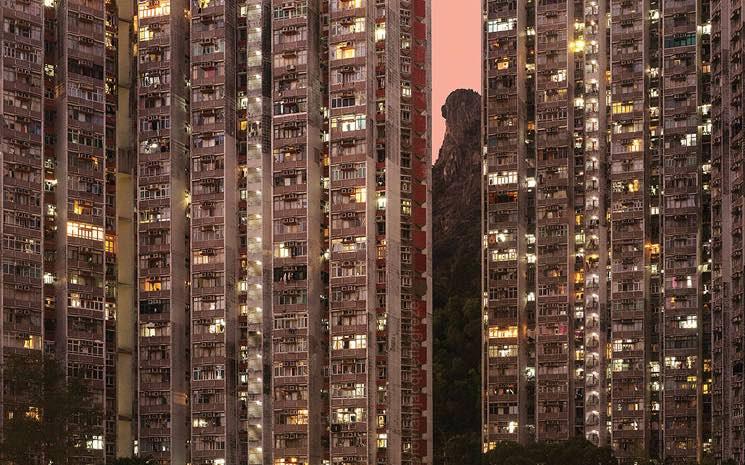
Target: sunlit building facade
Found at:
597, 228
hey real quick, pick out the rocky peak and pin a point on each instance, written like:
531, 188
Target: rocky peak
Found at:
456, 193
460, 148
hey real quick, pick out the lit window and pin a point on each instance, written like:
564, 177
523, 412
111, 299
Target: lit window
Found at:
110, 243
406, 207
151, 9
380, 32
498, 332
356, 341
501, 25
96, 443
504, 255
217, 326
503, 351
502, 178
85, 231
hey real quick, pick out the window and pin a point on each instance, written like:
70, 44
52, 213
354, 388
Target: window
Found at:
686, 322
499, 332
357, 341
501, 25
347, 171
503, 351
85, 231
96, 442
622, 107
502, 178
348, 123
346, 269
337, 5
208, 373
503, 255
348, 415
151, 9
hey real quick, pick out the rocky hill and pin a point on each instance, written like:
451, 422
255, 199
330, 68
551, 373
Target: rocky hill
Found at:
456, 193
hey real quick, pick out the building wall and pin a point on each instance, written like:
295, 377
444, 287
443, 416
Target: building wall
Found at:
162, 228
236, 225
214, 280
726, 222
508, 228
596, 231
83, 211
256, 252
618, 96
354, 233
635, 243
21, 155
297, 351
556, 227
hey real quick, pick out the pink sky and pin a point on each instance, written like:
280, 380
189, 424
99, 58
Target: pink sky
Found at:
456, 56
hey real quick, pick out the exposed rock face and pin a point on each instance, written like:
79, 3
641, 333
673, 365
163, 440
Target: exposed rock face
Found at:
456, 193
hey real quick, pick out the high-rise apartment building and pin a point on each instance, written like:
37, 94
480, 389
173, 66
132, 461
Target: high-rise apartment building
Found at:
21, 155
599, 196
217, 213
728, 425
162, 150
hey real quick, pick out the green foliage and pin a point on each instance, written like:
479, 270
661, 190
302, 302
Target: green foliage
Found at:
577, 451
457, 378
461, 449
132, 461
48, 418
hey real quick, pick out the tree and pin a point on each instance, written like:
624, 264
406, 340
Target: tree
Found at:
461, 449
132, 461
48, 417
576, 451
457, 377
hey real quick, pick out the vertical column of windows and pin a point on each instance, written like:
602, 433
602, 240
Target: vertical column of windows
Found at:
595, 221
357, 210
21, 139
406, 180
559, 270
632, 252
685, 234
214, 232
162, 198
509, 251
84, 110
298, 313
256, 230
